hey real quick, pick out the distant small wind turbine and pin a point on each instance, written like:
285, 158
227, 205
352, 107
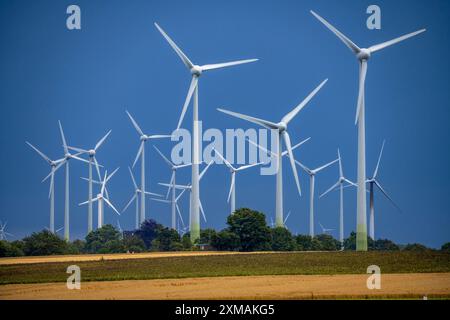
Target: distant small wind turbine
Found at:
3, 234
325, 230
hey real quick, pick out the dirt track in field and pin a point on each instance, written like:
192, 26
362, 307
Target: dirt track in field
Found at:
252, 287
115, 256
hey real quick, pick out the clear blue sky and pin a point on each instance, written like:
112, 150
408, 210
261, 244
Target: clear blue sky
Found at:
119, 61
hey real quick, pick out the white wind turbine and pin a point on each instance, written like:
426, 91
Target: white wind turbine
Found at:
325, 230
173, 203
141, 152
55, 165
232, 193
196, 71
281, 127
92, 160
174, 169
3, 234
189, 188
100, 198
67, 157
135, 198
363, 55
340, 184
372, 181
312, 179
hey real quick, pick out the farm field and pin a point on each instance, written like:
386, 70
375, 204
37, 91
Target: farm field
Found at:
173, 266
394, 286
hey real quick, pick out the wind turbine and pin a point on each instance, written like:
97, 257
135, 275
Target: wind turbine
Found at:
374, 182
363, 55
196, 71
340, 184
92, 160
141, 152
281, 127
3, 233
325, 230
101, 198
286, 219
173, 203
174, 169
312, 178
135, 197
67, 157
232, 193
189, 187
55, 165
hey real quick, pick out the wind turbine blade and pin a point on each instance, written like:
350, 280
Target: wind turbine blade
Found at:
225, 64
339, 34
179, 196
112, 174
287, 118
287, 217
169, 163
386, 195
262, 148
56, 168
248, 166
284, 153
159, 136
160, 200
102, 140
330, 189
153, 194
201, 210
305, 168
378, 162
141, 147
130, 202
179, 214
183, 165
180, 53
350, 182
136, 126
325, 166
192, 87
204, 170
172, 178
79, 150
132, 178
39, 152
97, 168
177, 186
224, 160
86, 202
111, 206
383, 45
233, 179
102, 190
287, 141
79, 159
362, 83
261, 122
63, 137
341, 171
52, 181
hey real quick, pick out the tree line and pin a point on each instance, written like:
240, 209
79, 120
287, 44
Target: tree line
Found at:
246, 231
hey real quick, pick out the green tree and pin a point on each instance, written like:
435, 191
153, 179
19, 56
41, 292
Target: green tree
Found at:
8, 249
325, 242
385, 245
225, 240
133, 243
304, 242
446, 247
44, 243
282, 240
415, 247
104, 240
186, 241
350, 242
169, 240
149, 231
250, 226
206, 235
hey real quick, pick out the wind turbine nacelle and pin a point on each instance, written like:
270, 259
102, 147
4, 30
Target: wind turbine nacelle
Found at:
91, 152
364, 54
144, 137
282, 126
196, 70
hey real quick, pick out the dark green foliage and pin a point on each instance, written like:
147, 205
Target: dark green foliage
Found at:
104, 240
446, 247
225, 240
206, 236
385, 245
167, 240
10, 249
44, 243
350, 242
186, 241
282, 240
250, 226
416, 247
304, 243
325, 242
133, 243
148, 231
